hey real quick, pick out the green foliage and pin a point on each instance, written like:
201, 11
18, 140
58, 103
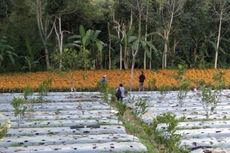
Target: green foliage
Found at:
164, 90
140, 106
88, 42
183, 83
152, 83
55, 6
18, 105
121, 108
3, 8
72, 59
6, 52
181, 69
4, 127
83, 59
209, 100
28, 91
19, 108
183, 90
102, 86
164, 128
219, 80
192, 41
44, 87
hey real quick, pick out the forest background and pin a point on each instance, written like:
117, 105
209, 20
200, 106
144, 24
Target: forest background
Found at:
39, 35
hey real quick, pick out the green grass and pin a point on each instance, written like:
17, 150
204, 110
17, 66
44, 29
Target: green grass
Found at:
135, 127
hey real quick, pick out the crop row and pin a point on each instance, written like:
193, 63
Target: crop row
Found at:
87, 80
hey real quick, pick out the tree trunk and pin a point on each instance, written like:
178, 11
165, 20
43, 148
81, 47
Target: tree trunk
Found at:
43, 29
166, 37
146, 33
195, 56
118, 29
126, 49
150, 56
218, 39
61, 43
165, 55
47, 58
121, 57
125, 37
109, 45
125, 56
165, 52
59, 34
132, 72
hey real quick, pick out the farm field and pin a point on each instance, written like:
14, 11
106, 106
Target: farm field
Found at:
87, 80
66, 123
124, 76
199, 134
63, 119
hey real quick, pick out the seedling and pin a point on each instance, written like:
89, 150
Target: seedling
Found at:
140, 107
44, 87
219, 81
164, 128
163, 91
4, 127
28, 91
183, 90
152, 83
19, 108
208, 100
183, 83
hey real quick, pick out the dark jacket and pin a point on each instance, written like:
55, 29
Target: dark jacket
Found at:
142, 78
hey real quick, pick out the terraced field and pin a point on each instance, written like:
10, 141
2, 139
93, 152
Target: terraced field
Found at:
199, 134
66, 123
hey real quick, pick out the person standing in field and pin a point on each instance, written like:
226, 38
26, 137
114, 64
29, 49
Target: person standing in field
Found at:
103, 80
141, 81
103, 84
120, 92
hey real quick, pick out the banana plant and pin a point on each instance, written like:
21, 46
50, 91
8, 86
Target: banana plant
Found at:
6, 52
30, 63
88, 40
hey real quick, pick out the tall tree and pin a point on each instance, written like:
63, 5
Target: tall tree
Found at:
44, 23
221, 9
168, 10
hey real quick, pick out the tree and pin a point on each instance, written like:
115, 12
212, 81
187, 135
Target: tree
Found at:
5, 11
221, 9
44, 23
57, 8
191, 32
45, 31
136, 44
168, 10
59, 36
146, 30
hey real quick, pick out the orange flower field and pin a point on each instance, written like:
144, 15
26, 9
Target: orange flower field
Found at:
87, 80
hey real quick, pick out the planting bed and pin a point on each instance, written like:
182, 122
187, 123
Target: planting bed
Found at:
199, 134
66, 123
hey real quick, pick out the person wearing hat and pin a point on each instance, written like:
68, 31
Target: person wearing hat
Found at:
104, 79
103, 84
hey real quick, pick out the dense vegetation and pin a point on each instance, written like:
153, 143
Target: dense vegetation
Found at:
107, 34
